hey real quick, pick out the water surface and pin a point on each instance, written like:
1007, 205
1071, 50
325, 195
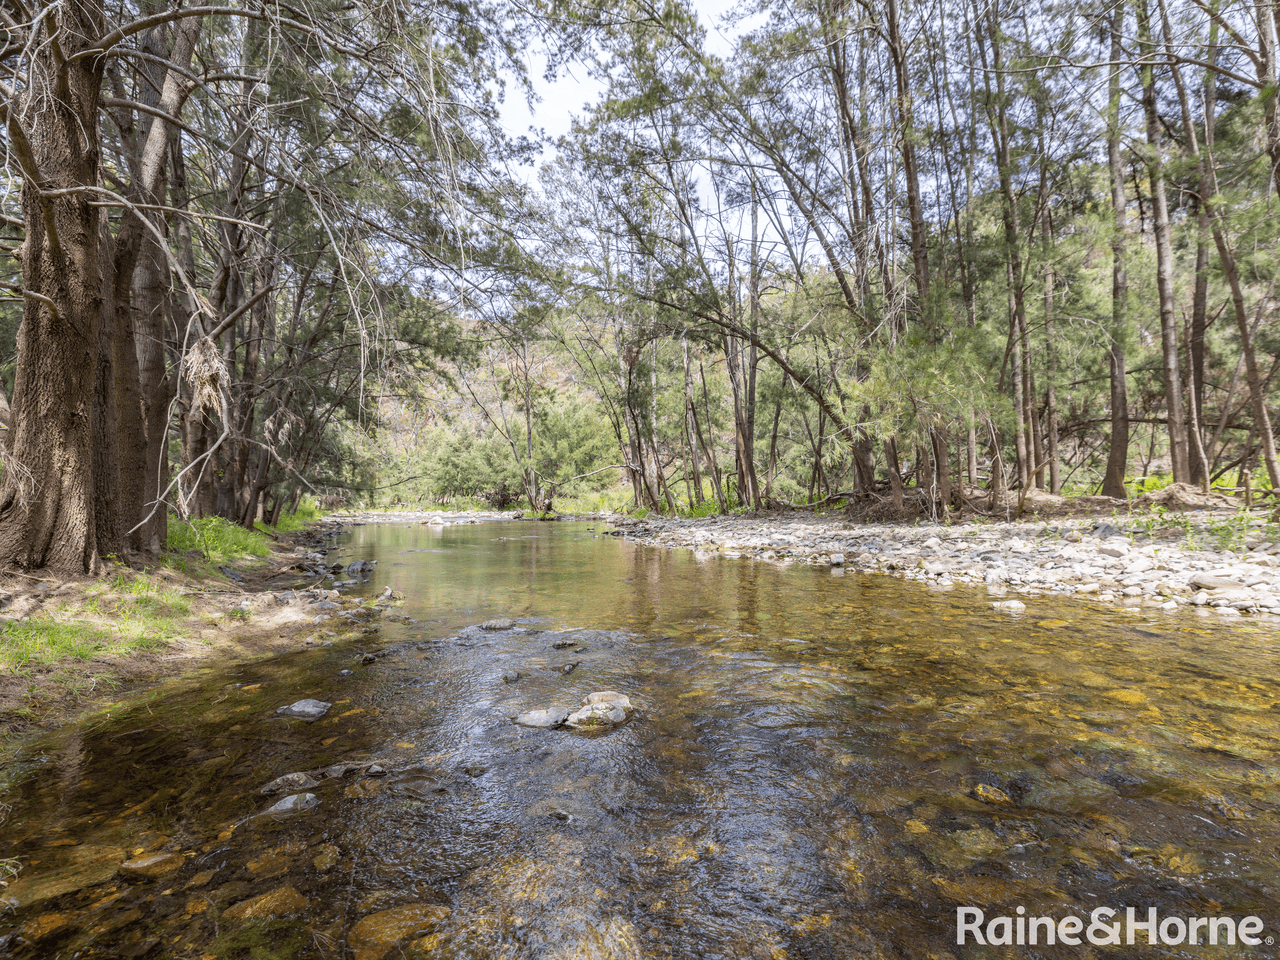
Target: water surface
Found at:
820, 766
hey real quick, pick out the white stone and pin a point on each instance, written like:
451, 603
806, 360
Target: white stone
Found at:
543, 719
289, 806
309, 710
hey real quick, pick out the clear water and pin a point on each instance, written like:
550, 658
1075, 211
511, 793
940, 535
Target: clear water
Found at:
812, 771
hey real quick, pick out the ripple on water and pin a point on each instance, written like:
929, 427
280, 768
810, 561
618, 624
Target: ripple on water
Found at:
835, 798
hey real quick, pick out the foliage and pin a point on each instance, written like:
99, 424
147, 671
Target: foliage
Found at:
218, 539
142, 616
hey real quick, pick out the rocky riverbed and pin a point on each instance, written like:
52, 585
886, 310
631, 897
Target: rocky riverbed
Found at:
1116, 561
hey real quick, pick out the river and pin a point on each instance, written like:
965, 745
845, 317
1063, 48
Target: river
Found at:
819, 765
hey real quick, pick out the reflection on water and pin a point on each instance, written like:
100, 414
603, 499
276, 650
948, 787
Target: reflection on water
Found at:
821, 767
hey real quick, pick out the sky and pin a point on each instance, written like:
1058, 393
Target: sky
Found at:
573, 89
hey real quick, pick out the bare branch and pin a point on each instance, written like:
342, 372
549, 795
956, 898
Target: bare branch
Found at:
32, 295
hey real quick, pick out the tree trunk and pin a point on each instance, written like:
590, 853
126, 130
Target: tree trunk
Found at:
1208, 187
1118, 450
47, 502
942, 469
1164, 258
895, 472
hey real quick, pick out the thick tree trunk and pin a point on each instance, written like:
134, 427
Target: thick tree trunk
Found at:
47, 496
151, 278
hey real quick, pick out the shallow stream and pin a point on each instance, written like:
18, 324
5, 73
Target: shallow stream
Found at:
819, 766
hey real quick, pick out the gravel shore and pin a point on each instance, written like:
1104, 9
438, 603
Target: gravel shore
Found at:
1118, 561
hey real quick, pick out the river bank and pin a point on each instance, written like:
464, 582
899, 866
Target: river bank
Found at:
296, 598
1155, 560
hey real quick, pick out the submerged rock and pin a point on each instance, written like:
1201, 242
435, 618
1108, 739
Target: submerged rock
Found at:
290, 781
151, 867
543, 719
375, 935
308, 710
84, 866
993, 795
291, 806
282, 902
1010, 606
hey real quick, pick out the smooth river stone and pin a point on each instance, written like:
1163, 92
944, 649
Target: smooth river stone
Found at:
152, 867
309, 710
543, 719
605, 708
290, 806
596, 715
84, 866
290, 781
1207, 581
281, 902
375, 935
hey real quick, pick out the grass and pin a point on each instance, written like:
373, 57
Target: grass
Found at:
1232, 532
220, 540
121, 614
306, 514
708, 508
9, 868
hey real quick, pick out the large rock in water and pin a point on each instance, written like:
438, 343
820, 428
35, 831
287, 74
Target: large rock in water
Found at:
377, 934
607, 708
309, 710
546, 719
282, 902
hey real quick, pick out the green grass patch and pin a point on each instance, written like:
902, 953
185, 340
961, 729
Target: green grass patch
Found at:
1140, 485
1232, 532
306, 514
219, 540
708, 508
121, 615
